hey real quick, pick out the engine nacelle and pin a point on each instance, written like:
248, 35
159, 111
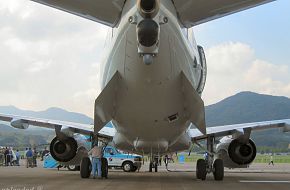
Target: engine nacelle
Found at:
148, 8
235, 153
63, 151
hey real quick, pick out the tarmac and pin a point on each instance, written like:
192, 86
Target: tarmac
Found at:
180, 176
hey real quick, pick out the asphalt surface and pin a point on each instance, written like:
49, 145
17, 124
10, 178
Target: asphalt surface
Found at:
182, 177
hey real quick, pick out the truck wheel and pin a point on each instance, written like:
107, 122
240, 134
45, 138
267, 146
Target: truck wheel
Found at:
86, 167
127, 166
72, 168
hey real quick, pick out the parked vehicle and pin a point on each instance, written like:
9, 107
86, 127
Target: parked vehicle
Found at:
115, 158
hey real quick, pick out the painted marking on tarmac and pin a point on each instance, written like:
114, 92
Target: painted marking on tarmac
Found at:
248, 181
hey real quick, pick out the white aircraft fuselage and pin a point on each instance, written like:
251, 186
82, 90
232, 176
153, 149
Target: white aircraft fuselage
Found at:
151, 94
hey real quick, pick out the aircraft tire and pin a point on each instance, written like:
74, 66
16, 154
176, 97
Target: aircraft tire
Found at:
201, 169
150, 167
105, 168
86, 167
156, 167
218, 170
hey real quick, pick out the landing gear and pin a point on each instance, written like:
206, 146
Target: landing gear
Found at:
201, 169
209, 165
150, 166
218, 171
153, 164
105, 168
86, 167
156, 167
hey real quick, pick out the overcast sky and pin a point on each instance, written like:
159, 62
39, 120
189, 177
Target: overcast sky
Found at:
49, 58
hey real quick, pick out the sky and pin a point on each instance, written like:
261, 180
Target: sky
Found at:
49, 58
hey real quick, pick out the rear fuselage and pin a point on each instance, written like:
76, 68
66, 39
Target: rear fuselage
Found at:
151, 94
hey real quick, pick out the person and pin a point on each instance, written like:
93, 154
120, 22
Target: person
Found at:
166, 160
26, 150
12, 157
8, 155
34, 157
17, 154
29, 157
6, 152
271, 160
97, 153
44, 153
2, 160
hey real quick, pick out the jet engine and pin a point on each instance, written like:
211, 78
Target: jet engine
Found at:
235, 153
63, 151
148, 8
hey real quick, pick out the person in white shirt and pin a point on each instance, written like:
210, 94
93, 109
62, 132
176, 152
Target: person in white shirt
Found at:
97, 153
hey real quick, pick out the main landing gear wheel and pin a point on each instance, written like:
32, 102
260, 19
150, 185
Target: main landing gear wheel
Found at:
86, 167
153, 165
218, 172
150, 166
156, 167
105, 168
201, 169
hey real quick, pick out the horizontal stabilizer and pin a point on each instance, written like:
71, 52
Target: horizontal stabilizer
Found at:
194, 12
106, 12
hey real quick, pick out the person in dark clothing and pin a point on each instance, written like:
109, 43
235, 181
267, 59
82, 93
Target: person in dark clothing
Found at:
44, 152
6, 152
29, 157
34, 157
166, 160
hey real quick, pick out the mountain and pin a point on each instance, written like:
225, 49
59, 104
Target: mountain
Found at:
247, 107
10, 136
51, 113
6, 128
241, 108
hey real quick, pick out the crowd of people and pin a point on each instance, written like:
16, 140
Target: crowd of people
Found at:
9, 157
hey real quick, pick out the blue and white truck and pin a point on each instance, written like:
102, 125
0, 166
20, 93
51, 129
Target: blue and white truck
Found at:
115, 158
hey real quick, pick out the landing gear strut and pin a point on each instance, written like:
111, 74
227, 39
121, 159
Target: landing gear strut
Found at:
153, 164
209, 165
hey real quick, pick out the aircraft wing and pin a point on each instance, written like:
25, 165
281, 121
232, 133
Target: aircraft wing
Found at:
194, 12
22, 122
107, 12
225, 130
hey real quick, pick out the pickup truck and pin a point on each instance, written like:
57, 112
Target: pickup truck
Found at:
116, 159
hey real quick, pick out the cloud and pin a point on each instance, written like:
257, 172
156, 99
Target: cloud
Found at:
234, 67
51, 58
48, 57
